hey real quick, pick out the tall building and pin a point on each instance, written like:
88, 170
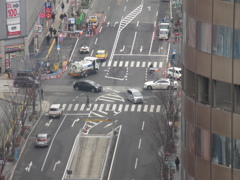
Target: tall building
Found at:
22, 27
211, 90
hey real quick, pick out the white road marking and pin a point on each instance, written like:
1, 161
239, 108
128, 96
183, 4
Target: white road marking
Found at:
96, 40
150, 49
151, 108
132, 64
95, 107
115, 63
82, 107
104, 64
138, 64
28, 167
107, 107
126, 107
136, 162
64, 106
121, 50
48, 123
145, 108
143, 125
124, 8
120, 107
114, 107
120, 63
76, 107
155, 64
92, 52
158, 108
137, 23
101, 107
133, 42
126, 63
69, 107
143, 64
133, 107
76, 120
139, 143
139, 108
160, 64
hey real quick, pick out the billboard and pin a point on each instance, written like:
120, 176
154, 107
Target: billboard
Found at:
13, 9
14, 29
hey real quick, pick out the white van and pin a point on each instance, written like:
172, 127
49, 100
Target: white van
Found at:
175, 72
163, 34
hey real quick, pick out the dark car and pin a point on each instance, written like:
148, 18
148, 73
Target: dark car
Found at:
43, 139
25, 81
27, 73
87, 85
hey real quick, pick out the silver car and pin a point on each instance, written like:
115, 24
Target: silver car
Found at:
43, 139
163, 83
135, 96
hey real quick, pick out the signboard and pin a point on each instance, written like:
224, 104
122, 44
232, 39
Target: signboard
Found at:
39, 28
14, 30
60, 37
48, 9
13, 9
58, 47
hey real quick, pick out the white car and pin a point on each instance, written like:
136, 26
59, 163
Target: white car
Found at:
55, 110
84, 49
163, 83
135, 96
175, 72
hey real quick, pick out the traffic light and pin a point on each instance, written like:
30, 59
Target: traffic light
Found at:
48, 15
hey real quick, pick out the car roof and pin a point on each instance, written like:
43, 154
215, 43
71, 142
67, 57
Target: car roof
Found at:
164, 24
100, 50
42, 135
86, 80
176, 68
55, 105
133, 90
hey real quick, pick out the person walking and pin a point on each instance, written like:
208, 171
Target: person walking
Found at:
54, 32
8, 71
48, 39
177, 162
87, 102
51, 30
62, 6
61, 16
41, 94
53, 17
56, 39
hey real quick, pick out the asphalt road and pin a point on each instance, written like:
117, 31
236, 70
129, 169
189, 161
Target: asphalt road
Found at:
132, 49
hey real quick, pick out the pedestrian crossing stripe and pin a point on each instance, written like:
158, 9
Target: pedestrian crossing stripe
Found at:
112, 107
142, 64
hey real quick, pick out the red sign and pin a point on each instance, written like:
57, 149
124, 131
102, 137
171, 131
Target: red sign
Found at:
48, 15
13, 9
48, 10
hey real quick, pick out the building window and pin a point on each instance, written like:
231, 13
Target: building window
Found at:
190, 86
203, 90
204, 36
191, 32
203, 143
236, 43
190, 137
222, 41
237, 99
222, 95
236, 153
221, 150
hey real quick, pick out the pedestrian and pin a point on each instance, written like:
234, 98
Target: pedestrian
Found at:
56, 39
87, 102
54, 32
177, 162
61, 16
51, 30
53, 17
64, 15
8, 72
48, 39
62, 6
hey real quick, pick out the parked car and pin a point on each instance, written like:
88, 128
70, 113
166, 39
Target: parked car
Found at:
175, 72
163, 34
43, 139
84, 49
27, 73
163, 83
25, 81
87, 85
135, 96
55, 110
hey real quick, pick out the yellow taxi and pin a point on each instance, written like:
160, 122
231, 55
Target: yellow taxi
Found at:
102, 55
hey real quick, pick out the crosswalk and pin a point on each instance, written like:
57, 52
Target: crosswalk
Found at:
142, 64
111, 107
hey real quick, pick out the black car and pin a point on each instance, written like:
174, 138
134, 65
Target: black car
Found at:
25, 81
87, 85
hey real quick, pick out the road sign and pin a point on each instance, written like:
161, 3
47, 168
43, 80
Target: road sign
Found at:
60, 37
174, 51
58, 47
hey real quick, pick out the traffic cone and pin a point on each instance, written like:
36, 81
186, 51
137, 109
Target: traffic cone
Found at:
59, 76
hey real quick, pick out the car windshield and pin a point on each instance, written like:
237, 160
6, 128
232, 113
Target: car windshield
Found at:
41, 136
163, 32
155, 81
53, 109
92, 83
137, 94
164, 27
100, 53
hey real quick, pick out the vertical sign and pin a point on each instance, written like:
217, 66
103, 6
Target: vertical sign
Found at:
13, 9
48, 9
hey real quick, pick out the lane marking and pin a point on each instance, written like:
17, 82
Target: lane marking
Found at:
145, 108
151, 108
150, 49
126, 107
96, 40
136, 162
69, 107
64, 106
133, 107
143, 125
133, 42
139, 108
139, 143
76, 107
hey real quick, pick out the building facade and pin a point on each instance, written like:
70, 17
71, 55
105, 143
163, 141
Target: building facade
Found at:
211, 90
23, 28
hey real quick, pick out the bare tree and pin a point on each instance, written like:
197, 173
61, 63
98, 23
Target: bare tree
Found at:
161, 136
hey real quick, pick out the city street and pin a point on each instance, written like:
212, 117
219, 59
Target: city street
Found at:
133, 45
